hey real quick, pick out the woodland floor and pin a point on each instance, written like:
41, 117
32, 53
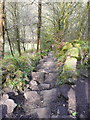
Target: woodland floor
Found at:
51, 100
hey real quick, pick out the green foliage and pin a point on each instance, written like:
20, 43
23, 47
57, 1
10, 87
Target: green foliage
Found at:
74, 114
68, 56
17, 69
67, 46
35, 59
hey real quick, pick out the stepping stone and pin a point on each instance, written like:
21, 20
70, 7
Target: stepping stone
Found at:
50, 77
3, 111
9, 103
27, 117
38, 76
62, 110
34, 85
49, 96
64, 91
44, 86
43, 112
32, 96
71, 101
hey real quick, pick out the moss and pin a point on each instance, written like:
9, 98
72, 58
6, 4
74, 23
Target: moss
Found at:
77, 45
70, 64
74, 52
67, 46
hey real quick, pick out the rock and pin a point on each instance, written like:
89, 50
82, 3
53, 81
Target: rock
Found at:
43, 70
8, 102
64, 90
50, 77
50, 95
39, 66
32, 96
34, 85
67, 46
70, 64
34, 88
38, 76
10, 105
44, 86
43, 112
69, 73
54, 116
49, 64
73, 52
5, 97
62, 110
27, 117
7, 89
71, 100
3, 111
67, 117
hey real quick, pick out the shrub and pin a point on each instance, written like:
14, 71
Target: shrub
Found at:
17, 69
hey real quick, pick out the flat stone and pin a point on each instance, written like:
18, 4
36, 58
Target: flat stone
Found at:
50, 77
5, 97
71, 100
39, 66
50, 95
64, 90
3, 111
54, 116
34, 88
43, 112
27, 117
43, 70
32, 96
44, 86
38, 76
10, 105
34, 85
74, 52
62, 110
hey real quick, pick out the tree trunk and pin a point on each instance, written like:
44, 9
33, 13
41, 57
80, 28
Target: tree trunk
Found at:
8, 38
17, 28
24, 39
39, 24
88, 21
2, 41
18, 41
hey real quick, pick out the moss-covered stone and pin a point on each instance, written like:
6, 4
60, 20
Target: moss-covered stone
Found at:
73, 52
67, 46
70, 64
77, 45
69, 73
